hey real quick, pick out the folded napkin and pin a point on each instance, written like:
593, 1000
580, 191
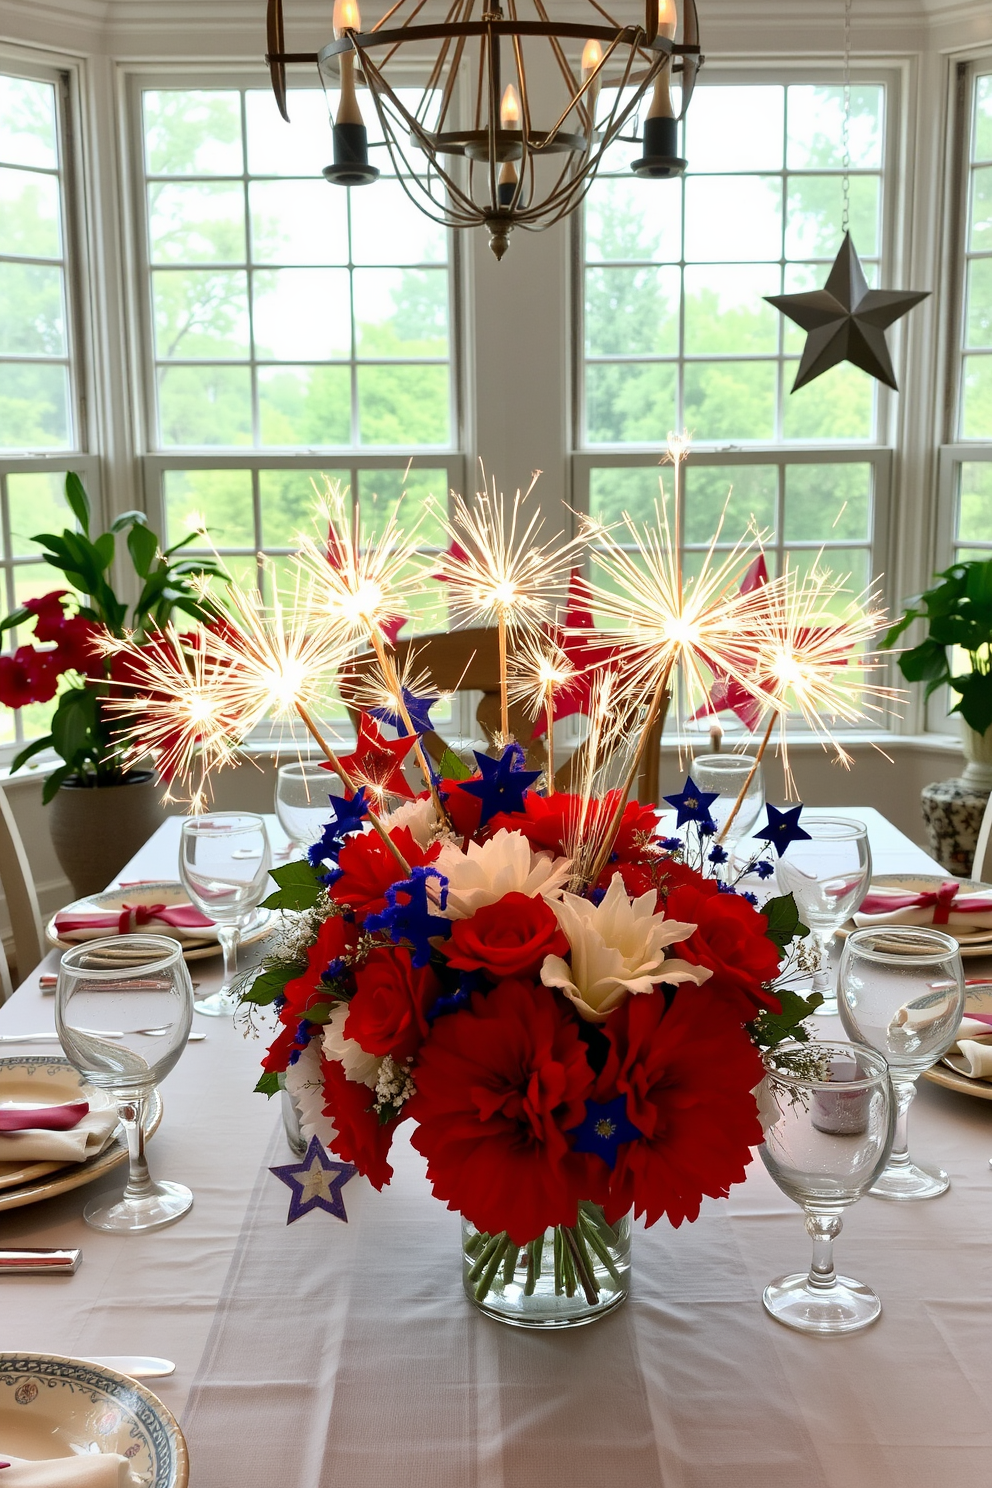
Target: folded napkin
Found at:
971, 1055
946, 905
89, 1470
181, 921
35, 1144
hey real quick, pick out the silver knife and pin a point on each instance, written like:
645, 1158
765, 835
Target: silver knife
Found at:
135, 1366
39, 1262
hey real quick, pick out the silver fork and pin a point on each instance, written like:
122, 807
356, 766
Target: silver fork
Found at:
53, 1038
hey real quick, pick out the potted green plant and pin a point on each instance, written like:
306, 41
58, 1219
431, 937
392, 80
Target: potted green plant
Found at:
103, 808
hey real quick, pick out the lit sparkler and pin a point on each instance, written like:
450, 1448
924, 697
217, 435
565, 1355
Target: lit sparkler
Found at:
538, 671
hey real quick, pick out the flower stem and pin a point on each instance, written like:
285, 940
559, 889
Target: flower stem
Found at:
534, 1253
499, 1247
510, 1263
589, 1231
583, 1270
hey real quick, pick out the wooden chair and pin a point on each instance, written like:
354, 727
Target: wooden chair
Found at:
22, 901
468, 660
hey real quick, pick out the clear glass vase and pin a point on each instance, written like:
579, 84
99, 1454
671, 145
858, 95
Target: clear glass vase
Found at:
562, 1279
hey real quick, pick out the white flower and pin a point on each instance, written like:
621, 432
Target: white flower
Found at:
618, 946
503, 865
358, 1066
419, 816
768, 1111
307, 1089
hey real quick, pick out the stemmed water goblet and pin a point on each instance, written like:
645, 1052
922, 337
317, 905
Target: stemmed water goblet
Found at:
303, 789
902, 991
833, 1117
224, 862
123, 985
829, 877
728, 774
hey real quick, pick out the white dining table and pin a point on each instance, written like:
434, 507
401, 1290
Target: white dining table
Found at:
690, 1384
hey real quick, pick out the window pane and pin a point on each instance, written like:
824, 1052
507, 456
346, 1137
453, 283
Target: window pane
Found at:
976, 401
735, 129
386, 228
731, 400
747, 493
298, 222
34, 406
613, 492
630, 404
27, 123
631, 311
300, 148
219, 500
739, 215
288, 500
385, 493
625, 221
853, 565
401, 312
204, 406
975, 502
725, 312
982, 143
200, 314
302, 314
304, 405
816, 127
838, 405
978, 322
403, 405
32, 317
814, 214
190, 133
827, 503
37, 504
204, 223
30, 210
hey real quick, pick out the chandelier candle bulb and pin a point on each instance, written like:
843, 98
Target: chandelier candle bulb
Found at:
592, 59
351, 142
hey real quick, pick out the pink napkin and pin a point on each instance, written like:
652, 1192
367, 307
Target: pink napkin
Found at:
43, 1118
946, 905
88, 1470
126, 920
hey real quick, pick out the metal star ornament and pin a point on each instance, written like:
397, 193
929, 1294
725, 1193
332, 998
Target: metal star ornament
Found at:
846, 321
316, 1182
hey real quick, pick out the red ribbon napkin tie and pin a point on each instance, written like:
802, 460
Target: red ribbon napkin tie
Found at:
940, 900
131, 916
43, 1118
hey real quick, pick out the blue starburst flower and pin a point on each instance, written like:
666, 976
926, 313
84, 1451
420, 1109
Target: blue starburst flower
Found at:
504, 782
348, 817
605, 1128
783, 828
764, 869
693, 804
409, 917
718, 854
418, 710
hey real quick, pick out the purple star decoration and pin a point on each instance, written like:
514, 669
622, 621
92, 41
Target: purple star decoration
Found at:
316, 1183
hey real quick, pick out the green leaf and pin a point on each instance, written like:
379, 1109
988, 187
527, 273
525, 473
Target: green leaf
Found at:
35, 747
299, 887
54, 781
269, 983
771, 1028
268, 1084
74, 723
926, 662
78, 500
975, 705
126, 519
784, 924
16, 617
892, 635
319, 1012
452, 768
142, 544
104, 547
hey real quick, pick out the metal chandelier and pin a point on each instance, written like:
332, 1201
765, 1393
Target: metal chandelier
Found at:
531, 148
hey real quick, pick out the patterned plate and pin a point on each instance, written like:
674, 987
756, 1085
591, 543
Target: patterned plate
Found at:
947, 1073
195, 948
52, 1406
972, 942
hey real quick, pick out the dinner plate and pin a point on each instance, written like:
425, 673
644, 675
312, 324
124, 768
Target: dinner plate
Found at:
28, 1080
168, 892
971, 942
976, 1000
73, 1175
52, 1406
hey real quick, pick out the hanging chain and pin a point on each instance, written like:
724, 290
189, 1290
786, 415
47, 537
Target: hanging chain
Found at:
845, 219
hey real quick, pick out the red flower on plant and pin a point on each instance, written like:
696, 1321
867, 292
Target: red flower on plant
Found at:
29, 676
388, 1013
499, 1084
75, 650
730, 939
687, 1074
507, 939
360, 1137
49, 613
368, 868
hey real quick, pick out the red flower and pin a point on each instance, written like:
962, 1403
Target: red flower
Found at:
368, 868
388, 1013
552, 823
674, 875
506, 939
29, 676
360, 1137
277, 1055
498, 1086
463, 809
688, 1075
730, 939
75, 651
49, 613
336, 938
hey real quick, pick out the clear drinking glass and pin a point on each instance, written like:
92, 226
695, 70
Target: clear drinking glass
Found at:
224, 862
829, 1139
728, 774
138, 987
829, 877
303, 789
902, 992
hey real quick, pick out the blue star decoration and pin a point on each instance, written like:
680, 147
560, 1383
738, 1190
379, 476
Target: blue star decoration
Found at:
348, 817
783, 827
418, 709
693, 804
316, 1183
504, 782
412, 919
605, 1128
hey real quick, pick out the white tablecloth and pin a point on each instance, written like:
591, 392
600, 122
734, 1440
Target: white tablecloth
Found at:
706, 1376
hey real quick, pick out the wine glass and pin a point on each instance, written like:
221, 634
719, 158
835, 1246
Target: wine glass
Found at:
828, 1141
128, 985
224, 862
303, 789
828, 876
729, 774
902, 992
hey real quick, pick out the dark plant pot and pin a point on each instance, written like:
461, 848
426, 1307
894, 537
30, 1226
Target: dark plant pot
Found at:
97, 829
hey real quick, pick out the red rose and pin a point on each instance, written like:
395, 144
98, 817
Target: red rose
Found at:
360, 1137
730, 939
498, 1086
367, 868
336, 939
674, 875
506, 939
688, 1075
388, 1013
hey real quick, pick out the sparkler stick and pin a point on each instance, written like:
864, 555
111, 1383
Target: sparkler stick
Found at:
349, 783
650, 718
772, 715
549, 722
394, 682
504, 681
